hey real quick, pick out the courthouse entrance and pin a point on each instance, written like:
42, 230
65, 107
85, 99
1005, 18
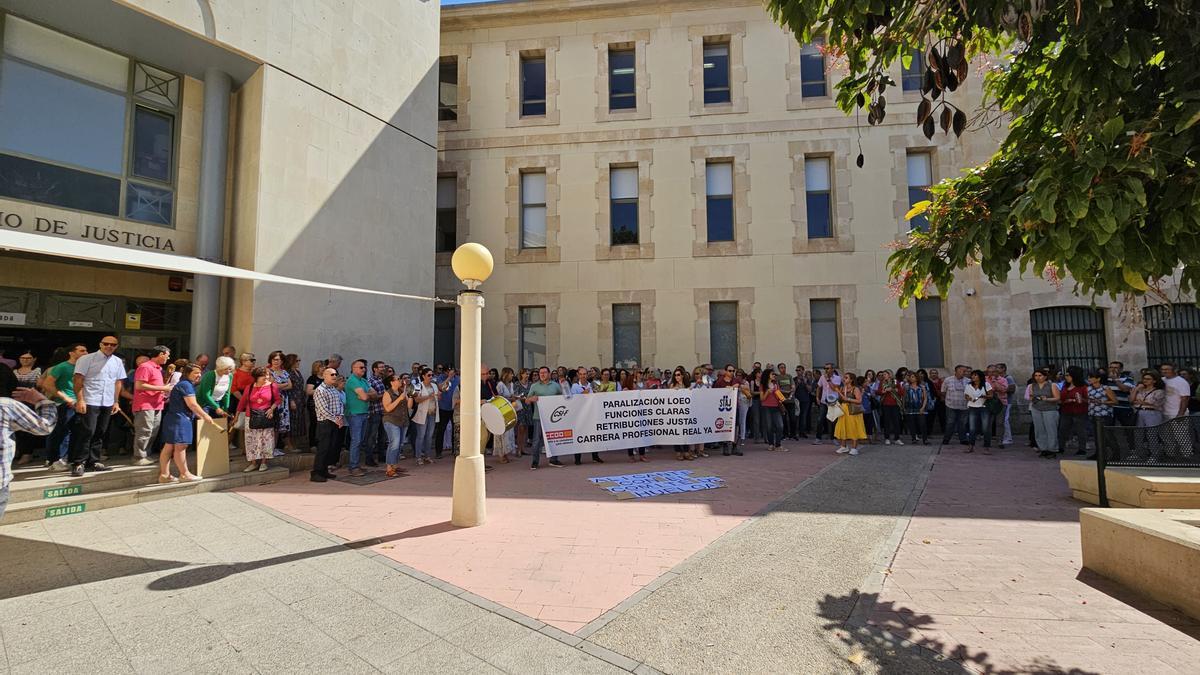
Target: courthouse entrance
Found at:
43, 321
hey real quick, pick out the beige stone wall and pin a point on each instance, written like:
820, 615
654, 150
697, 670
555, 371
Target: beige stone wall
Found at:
771, 269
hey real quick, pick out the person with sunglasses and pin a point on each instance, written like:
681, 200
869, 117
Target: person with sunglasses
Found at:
98, 379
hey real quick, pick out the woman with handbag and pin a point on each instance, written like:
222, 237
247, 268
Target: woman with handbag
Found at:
890, 392
178, 422
771, 397
260, 403
979, 417
849, 428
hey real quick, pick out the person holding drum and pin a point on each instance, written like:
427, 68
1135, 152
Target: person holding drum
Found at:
505, 443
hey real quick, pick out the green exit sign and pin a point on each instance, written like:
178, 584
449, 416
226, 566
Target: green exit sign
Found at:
70, 509
67, 491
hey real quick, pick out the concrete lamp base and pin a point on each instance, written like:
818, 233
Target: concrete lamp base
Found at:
468, 509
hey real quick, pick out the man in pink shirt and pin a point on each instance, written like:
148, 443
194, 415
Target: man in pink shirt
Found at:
149, 397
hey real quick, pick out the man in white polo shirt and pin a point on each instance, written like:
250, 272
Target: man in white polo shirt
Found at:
99, 377
1178, 392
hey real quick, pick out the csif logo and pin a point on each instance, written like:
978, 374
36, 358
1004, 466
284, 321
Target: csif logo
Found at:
559, 413
726, 404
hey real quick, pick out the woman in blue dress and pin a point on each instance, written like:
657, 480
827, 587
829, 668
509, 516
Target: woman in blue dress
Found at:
178, 425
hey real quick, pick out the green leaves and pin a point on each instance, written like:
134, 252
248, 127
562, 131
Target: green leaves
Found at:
1099, 175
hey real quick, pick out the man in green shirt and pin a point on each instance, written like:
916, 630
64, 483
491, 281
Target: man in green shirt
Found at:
59, 385
359, 395
543, 387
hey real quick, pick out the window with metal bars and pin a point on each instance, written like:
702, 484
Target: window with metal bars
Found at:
1172, 335
1068, 336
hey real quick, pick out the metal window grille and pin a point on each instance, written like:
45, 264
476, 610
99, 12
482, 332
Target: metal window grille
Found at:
1172, 334
1068, 336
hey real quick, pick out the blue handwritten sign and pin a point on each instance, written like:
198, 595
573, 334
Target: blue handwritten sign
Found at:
656, 483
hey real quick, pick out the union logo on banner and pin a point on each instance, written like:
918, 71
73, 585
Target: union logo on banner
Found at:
720, 423
725, 405
560, 436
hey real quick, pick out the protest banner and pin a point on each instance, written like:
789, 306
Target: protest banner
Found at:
636, 419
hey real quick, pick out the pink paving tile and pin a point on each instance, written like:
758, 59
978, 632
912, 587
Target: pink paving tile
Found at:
555, 547
989, 572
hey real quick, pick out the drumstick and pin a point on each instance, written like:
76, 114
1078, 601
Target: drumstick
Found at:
127, 419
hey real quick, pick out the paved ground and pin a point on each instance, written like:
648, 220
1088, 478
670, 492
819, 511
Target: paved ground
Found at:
989, 571
556, 547
834, 576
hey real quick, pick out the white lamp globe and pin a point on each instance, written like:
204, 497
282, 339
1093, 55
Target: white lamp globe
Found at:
472, 263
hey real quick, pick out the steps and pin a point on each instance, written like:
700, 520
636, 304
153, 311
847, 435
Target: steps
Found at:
38, 493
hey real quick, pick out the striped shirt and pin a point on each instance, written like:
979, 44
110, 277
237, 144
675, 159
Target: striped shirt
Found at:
16, 416
329, 403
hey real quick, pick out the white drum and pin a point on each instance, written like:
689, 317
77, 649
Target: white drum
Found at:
498, 415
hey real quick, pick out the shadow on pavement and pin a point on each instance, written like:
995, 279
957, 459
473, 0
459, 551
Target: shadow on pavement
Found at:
207, 574
892, 638
1151, 608
29, 566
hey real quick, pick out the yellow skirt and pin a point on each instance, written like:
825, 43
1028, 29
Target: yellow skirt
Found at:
849, 427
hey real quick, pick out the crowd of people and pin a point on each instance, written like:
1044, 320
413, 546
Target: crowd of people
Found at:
376, 412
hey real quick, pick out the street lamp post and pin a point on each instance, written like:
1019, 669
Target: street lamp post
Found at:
472, 264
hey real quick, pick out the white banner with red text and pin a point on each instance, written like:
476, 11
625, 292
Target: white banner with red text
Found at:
636, 419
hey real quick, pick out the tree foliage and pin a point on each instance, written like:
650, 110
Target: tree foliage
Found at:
1097, 176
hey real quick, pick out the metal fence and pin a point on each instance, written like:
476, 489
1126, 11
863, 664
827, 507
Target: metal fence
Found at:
1172, 444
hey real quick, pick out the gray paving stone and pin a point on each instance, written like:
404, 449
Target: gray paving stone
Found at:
537, 654
488, 635
180, 643
94, 657
231, 664
440, 656
386, 643
33, 637
25, 600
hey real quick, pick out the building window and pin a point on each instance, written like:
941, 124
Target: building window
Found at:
723, 333
1172, 335
812, 71
533, 209
817, 192
533, 86
622, 79
83, 128
719, 186
929, 333
1068, 336
447, 214
532, 337
920, 177
823, 317
448, 89
623, 207
627, 335
716, 72
443, 335
912, 77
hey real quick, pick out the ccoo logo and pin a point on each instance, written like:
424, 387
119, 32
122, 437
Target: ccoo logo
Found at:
559, 413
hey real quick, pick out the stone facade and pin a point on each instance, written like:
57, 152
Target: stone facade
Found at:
772, 268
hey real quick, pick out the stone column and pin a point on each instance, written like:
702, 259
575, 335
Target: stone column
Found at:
210, 223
